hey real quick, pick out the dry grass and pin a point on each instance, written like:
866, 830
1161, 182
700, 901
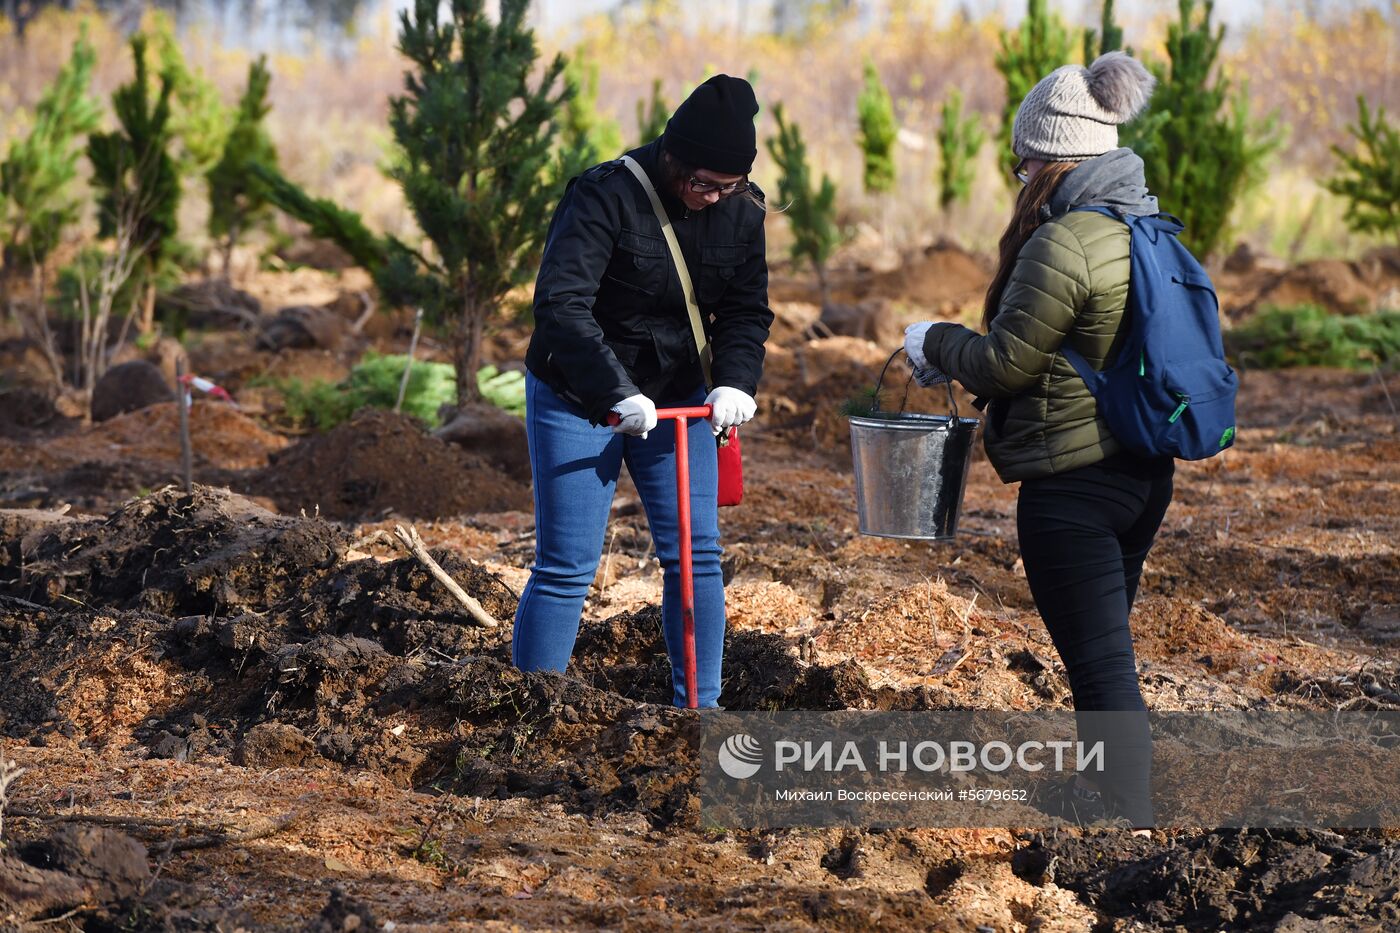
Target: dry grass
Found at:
329, 114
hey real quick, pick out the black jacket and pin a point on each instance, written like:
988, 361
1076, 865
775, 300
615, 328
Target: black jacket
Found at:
610, 319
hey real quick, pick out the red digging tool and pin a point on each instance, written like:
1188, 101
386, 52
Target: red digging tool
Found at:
682, 418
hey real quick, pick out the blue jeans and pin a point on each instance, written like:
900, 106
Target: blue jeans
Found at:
575, 467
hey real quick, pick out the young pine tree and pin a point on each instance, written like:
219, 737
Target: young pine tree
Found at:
136, 176
199, 120
811, 210
1373, 185
1108, 39
1038, 47
652, 115
390, 262
878, 130
237, 200
1202, 149
476, 142
37, 202
959, 141
586, 136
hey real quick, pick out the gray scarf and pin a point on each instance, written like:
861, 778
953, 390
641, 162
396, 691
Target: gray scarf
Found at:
1114, 180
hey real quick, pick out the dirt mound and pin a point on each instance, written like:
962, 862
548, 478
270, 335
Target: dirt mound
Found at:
101, 879
791, 320
476, 725
303, 327
491, 434
208, 304
766, 606
222, 438
23, 364
380, 462
962, 656
1246, 880
872, 319
209, 626
77, 865
946, 276
129, 387
401, 605
1340, 286
805, 387
626, 654
1166, 629
23, 409
208, 551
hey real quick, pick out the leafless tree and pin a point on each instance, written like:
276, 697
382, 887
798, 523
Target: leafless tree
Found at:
96, 301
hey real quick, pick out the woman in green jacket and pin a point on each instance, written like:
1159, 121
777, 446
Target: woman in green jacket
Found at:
1088, 510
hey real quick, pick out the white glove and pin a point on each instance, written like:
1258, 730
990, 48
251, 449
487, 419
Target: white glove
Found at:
729, 408
636, 414
914, 336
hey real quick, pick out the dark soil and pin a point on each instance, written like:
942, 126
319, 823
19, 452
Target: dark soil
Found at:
206, 552
201, 656
106, 876
251, 637
1228, 880
379, 463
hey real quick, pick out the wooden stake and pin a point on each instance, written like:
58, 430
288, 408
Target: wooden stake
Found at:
410, 539
186, 449
408, 366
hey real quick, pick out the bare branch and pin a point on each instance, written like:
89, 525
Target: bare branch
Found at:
413, 543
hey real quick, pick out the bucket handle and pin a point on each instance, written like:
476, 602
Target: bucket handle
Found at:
875, 402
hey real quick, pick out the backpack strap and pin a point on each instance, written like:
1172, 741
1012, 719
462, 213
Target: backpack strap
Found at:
1102, 209
697, 326
1081, 366
1089, 374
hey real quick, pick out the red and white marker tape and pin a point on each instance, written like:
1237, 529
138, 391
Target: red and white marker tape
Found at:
191, 381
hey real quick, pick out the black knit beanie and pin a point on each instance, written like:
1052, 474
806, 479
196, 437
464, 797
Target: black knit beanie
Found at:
713, 127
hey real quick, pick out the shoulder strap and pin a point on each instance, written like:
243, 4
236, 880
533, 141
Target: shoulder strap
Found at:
697, 326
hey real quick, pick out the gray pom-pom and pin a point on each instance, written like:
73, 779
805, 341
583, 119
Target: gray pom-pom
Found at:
1120, 84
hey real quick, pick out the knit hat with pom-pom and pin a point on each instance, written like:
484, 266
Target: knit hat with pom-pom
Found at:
1074, 113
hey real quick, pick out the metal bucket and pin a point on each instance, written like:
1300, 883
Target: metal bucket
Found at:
910, 469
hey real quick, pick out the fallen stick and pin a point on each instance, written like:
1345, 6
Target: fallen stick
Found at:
410, 539
258, 830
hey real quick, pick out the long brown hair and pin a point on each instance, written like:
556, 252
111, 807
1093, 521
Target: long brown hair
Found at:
1024, 221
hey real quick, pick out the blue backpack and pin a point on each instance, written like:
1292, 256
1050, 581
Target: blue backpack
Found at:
1170, 391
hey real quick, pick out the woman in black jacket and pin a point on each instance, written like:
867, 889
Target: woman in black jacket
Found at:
613, 335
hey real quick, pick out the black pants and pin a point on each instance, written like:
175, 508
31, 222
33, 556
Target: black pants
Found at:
1084, 536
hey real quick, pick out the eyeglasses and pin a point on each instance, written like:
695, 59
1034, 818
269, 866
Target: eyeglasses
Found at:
706, 187
1020, 172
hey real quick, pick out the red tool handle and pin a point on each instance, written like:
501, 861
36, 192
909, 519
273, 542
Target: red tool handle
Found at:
682, 417
699, 411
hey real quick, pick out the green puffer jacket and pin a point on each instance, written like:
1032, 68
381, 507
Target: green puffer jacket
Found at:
1070, 283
